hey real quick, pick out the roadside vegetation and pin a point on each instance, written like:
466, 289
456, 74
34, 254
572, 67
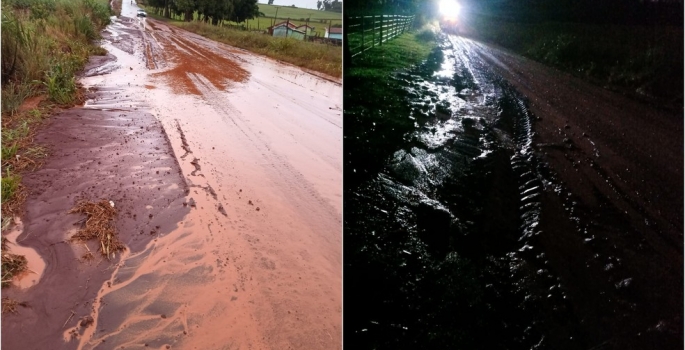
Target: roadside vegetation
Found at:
318, 57
375, 99
644, 59
45, 43
270, 14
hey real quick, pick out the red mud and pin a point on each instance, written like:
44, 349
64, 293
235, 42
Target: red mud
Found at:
31, 103
256, 263
120, 156
194, 59
621, 161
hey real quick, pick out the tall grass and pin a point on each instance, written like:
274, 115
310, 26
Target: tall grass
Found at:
46, 41
44, 44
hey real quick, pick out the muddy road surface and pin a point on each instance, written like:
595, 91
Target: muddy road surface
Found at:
515, 208
226, 171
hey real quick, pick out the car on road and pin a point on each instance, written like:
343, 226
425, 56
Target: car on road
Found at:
142, 13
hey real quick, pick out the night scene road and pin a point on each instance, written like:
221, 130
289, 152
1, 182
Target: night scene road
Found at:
523, 208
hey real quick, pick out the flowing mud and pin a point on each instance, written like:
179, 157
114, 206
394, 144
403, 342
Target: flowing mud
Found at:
225, 168
515, 211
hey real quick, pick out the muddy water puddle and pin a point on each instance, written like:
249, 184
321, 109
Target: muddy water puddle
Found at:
36, 264
457, 236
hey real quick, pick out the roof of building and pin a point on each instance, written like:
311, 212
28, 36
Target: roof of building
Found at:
335, 30
290, 24
291, 29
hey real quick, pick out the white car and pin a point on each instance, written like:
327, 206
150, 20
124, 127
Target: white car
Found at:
142, 13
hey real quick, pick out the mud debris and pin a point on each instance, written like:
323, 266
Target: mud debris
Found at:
12, 265
184, 142
10, 305
196, 164
211, 191
99, 225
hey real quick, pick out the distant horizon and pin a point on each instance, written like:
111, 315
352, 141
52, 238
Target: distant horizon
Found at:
307, 4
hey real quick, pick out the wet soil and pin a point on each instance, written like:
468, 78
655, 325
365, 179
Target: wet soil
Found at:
256, 260
491, 209
122, 156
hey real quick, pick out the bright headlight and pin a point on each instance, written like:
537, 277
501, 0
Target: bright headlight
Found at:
449, 8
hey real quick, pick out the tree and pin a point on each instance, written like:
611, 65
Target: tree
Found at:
186, 7
244, 10
336, 6
271, 2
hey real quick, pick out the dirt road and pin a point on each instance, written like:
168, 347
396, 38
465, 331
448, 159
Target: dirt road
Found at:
524, 208
226, 171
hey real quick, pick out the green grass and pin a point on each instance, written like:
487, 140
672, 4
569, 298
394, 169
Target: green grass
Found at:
12, 135
402, 52
10, 184
638, 58
9, 152
13, 95
375, 100
44, 44
320, 20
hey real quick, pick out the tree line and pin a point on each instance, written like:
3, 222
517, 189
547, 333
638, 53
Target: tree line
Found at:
328, 5
210, 11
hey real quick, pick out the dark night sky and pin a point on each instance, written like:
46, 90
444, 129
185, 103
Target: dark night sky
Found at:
591, 11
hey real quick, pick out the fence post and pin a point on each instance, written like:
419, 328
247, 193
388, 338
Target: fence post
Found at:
381, 42
362, 33
394, 26
330, 21
347, 56
373, 31
287, 27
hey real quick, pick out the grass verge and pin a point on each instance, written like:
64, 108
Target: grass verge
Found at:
45, 43
376, 100
322, 58
647, 60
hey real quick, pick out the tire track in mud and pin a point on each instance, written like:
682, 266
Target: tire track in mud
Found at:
296, 187
194, 286
593, 242
303, 105
474, 199
514, 121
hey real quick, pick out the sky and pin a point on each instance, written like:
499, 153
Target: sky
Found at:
310, 4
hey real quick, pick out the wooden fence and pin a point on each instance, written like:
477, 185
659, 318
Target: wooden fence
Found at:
365, 32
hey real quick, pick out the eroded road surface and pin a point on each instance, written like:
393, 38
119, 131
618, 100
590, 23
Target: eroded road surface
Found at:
226, 170
521, 208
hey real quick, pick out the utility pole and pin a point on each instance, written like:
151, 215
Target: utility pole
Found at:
275, 16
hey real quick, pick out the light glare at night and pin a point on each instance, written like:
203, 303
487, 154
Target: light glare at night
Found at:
449, 8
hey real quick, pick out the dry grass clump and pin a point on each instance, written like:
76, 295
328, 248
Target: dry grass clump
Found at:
12, 265
98, 225
10, 305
